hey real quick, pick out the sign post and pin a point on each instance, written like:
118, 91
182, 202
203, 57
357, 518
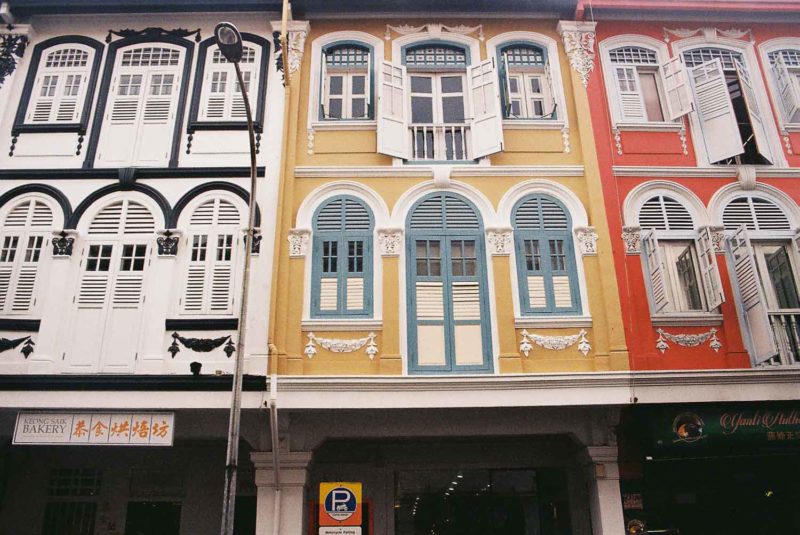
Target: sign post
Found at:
340, 508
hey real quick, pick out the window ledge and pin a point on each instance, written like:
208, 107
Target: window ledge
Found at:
533, 124
791, 127
344, 125
341, 325
553, 322
648, 127
686, 320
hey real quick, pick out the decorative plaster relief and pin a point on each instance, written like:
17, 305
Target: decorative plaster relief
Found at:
565, 139
27, 347
390, 241
63, 242
717, 239
746, 175
710, 34
297, 44
688, 340
310, 141
434, 30
338, 345
168, 242
587, 240
553, 342
579, 38
632, 238
682, 137
298, 242
500, 241
12, 48
787, 141
617, 140
201, 345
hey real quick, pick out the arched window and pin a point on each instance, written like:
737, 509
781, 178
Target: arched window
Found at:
527, 83
448, 314
679, 261
142, 105
26, 229
108, 304
341, 275
786, 79
213, 245
346, 81
638, 84
548, 279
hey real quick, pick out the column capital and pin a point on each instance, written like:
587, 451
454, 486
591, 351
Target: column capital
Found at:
293, 468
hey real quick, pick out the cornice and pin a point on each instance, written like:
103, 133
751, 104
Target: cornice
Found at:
544, 171
700, 172
387, 171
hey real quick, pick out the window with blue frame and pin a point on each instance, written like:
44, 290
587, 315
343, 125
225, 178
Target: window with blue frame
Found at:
548, 278
527, 85
346, 82
341, 275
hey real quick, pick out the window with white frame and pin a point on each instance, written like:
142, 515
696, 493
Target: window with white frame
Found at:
59, 90
636, 72
25, 233
527, 84
213, 246
346, 82
679, 262
222, 98
786, 78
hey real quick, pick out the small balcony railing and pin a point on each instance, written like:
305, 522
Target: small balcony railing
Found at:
439, 142
786, 329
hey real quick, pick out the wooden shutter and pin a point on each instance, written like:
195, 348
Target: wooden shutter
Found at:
709, 270
60, 107
788, 89
631, 100
676, 86
750, 300
715, 112
550, 111
323, 86
158, 120
754, 112
754, 213
214, 105
653, 263
121, 122
506, 86
368, 87
393, 136
486, 128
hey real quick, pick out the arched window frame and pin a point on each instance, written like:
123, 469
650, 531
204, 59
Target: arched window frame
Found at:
33, 84
784, 91
618, 116
256, 90
320, 252
374, 44
529, 260
22, 278
214, 258
347, 74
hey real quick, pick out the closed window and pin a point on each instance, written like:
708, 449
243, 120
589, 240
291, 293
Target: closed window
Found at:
637, 84
222, 98
342, 259
546, 269
346, 82
786, 82
62, 80
527, 84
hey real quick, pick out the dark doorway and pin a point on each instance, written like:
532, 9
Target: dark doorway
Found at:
153, 518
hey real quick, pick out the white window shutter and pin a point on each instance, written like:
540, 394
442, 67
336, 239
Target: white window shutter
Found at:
676, 86
756, 118
119, 131
323, 87
221, 297
368, 85
213, 107
653, 264
750, 300
486, 129
796, 241
158, 116
709, 270
6, 276
715, 111
393, 136
631, 101
506, 87
548, 79
788, 88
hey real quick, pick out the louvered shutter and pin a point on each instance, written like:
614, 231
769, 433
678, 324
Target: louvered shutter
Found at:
323, 86
158, 119
506, 86
754, 213
715, 112
709, 270
64, 104
753, 111
393, 135
486, 128
796, 241
368, 87
122, 119
750, 300
676, 86
788, 88
653, 263
630, 95
550, 111
214, 105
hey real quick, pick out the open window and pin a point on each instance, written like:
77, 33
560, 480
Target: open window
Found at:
638, 84
527, 86
346, 82
678, 260
785, 66
733, 128
439, 107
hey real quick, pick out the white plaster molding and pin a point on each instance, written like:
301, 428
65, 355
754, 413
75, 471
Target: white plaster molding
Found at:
587, 240
554, 322
632, 236
686, 319
312, 201
710, 34
643, 192
682, 138
725, 194
412, 195
343, 126
434, 30
298, 31
573, 204
746, 176
390, 241
532, 124
310, 141
647, 127
409, 171
441, 176
341, 325
543, 171
565, 140
717, 238
341, 345
554, 342
578, 38
500, 241
617, 139
787, 141
688, 340
298, 242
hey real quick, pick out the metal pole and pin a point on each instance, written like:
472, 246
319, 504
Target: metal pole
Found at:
232, 459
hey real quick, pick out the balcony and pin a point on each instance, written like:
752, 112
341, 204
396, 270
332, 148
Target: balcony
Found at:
786, 329
439, 142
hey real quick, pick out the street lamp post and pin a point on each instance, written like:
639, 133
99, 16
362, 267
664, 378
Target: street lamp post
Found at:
229, 41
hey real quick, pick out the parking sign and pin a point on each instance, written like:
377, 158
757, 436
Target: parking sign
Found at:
339, 504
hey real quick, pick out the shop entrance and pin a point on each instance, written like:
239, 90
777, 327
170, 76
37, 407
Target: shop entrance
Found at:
153, 518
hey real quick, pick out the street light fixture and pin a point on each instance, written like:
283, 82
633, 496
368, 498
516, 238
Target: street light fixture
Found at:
229, 41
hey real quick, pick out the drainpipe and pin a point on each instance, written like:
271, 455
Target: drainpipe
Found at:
276, 465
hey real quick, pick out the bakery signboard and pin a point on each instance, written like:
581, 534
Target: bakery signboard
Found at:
94, 429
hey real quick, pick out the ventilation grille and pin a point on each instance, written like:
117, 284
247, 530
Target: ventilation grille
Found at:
215, 212
444, 211
633, 55
22, 215
754, 214
150, 57
347, 56
343, 214
665, 213
66, 57
540, 213
696, 57
138, 219
521, 55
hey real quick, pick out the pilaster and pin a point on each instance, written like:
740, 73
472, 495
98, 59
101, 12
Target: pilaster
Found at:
290, 491
605, 500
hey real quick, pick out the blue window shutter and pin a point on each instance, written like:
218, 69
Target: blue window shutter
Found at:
545, 255
341, 273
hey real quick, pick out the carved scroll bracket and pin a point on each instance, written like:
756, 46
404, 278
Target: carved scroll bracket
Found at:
553, 342
339, 345
298, 242
579, 38
688, 340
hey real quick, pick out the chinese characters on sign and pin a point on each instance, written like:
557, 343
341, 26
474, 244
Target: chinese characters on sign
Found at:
95, 429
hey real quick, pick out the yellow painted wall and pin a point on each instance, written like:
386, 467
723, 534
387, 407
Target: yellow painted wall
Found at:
522, 148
